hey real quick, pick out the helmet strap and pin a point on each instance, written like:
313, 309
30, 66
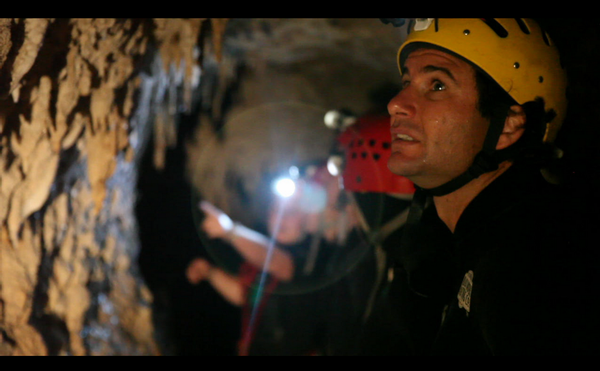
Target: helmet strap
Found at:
487, 160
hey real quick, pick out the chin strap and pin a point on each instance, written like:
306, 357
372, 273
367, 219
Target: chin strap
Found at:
483, 163
488, 159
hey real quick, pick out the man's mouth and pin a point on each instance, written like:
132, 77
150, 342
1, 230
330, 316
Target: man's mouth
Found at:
404, 137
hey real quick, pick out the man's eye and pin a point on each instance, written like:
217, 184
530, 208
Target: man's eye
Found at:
405, 83
438, 86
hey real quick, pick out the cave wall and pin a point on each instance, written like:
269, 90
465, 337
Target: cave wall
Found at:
79, 98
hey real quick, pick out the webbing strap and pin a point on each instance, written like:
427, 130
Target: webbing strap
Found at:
486, 160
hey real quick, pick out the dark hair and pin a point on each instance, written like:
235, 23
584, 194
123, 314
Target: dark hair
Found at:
491, 95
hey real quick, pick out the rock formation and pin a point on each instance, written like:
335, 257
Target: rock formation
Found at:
78, 100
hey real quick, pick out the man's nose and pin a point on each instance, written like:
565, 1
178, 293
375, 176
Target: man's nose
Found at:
402, 104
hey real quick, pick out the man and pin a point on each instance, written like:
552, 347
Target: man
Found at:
358, 193
494, 260
315, 242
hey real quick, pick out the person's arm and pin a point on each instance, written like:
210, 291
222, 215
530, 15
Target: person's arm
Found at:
253, 246
227, 285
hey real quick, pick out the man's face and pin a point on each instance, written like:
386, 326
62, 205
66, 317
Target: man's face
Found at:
436, 126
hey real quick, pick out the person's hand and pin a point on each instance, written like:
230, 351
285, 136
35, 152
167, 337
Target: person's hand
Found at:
216, 224
198, 270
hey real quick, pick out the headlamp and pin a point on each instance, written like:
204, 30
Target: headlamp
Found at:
335, 164
284, 187
339, 119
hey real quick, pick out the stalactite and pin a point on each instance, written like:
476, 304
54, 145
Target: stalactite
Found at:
74, 110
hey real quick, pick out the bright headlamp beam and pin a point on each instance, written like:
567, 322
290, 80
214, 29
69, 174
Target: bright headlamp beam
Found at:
284, 187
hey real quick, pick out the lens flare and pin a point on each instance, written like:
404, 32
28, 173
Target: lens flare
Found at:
259, 292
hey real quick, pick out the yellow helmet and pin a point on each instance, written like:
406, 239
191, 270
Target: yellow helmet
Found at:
515, 52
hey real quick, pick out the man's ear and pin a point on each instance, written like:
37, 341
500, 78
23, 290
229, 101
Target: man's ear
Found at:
514, 127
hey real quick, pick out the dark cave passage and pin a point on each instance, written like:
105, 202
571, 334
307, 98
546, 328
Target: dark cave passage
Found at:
189, 320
